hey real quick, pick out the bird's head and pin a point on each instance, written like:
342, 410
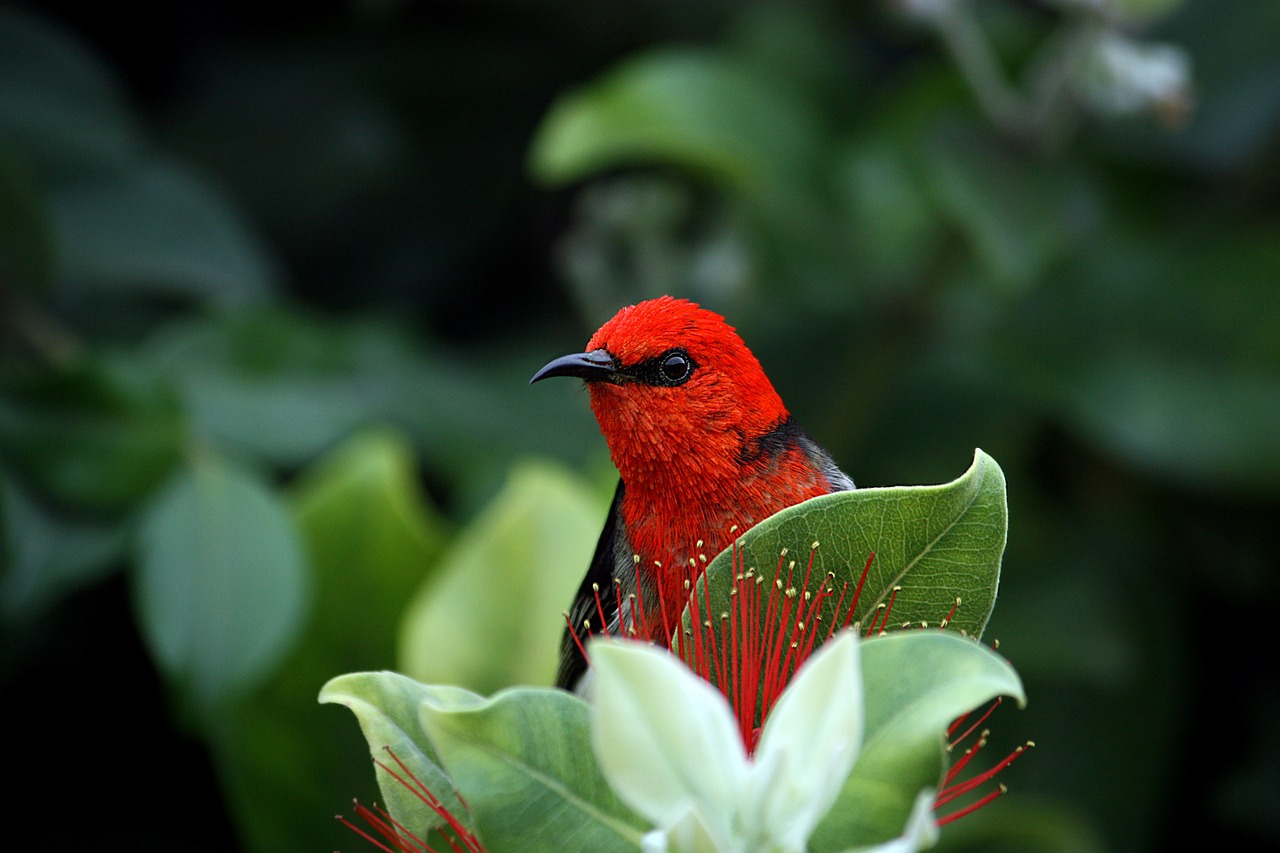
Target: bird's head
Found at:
672, 382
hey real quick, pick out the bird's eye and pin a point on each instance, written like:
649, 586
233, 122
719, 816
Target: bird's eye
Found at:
676, 367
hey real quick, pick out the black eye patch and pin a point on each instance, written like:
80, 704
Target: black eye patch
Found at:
673, 367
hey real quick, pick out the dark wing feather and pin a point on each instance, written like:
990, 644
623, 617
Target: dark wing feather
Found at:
599, 575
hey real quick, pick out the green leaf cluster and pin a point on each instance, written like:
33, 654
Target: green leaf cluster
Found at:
518, 771
517, 768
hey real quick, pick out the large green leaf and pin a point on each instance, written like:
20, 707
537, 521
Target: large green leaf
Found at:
1189, 394
1016, 217
315, 380
371, 535
386, 705
96, 434
491, 616
157, 227
221, 582
44, 556
523, 762
312, 382
57, 102
916, 683
931, 546
697, 110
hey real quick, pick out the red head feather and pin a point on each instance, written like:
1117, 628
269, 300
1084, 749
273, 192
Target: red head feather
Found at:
690, 454
698, 426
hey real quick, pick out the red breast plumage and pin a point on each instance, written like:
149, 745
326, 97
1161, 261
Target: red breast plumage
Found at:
702, 441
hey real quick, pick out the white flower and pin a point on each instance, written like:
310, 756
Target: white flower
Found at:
669, 747
1124, 76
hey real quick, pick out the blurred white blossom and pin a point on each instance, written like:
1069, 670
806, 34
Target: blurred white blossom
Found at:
1122, 76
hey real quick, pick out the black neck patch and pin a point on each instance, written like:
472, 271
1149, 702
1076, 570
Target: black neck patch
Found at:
785, 434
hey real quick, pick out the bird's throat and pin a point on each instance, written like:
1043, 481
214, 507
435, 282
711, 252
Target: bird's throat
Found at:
676, 524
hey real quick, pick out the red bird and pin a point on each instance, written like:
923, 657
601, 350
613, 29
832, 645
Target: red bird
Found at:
702, 442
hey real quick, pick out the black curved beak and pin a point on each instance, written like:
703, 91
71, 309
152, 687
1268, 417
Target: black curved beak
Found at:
595, 366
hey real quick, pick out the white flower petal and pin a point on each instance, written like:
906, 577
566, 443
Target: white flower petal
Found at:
809, 744
666, 740
692, 833
654, 841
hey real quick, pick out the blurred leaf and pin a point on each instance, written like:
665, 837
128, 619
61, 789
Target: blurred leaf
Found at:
387, 707
58, 105
1144, 11
891, 219
1196, 422
1191, 391
523, 764
492, 614
221, 581
97, 435
937, 543
805, 44
286, 386
43, 557
371, 536
915, 684
280, 385
1011, 210
26, 246
693, 109
156, 227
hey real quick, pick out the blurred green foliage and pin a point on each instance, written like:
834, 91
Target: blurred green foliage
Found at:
271, 287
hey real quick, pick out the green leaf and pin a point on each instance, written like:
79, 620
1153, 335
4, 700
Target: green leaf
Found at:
916, 683
889, 217
386, 705
491, 615
44, 556
96, 435
693, 109
933, 544
221, 580
157, 228
313, 382
371, 535
1144, 11
26, 245
1191, 392
1016, 216
59, 104
316, 380
523, 763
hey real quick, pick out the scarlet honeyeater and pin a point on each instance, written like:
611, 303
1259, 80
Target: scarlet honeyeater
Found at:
705, 449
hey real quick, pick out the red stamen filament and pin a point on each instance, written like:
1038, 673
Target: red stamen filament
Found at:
960, 721
972, 807
405, 841
950, 791
396, 833
760, 643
